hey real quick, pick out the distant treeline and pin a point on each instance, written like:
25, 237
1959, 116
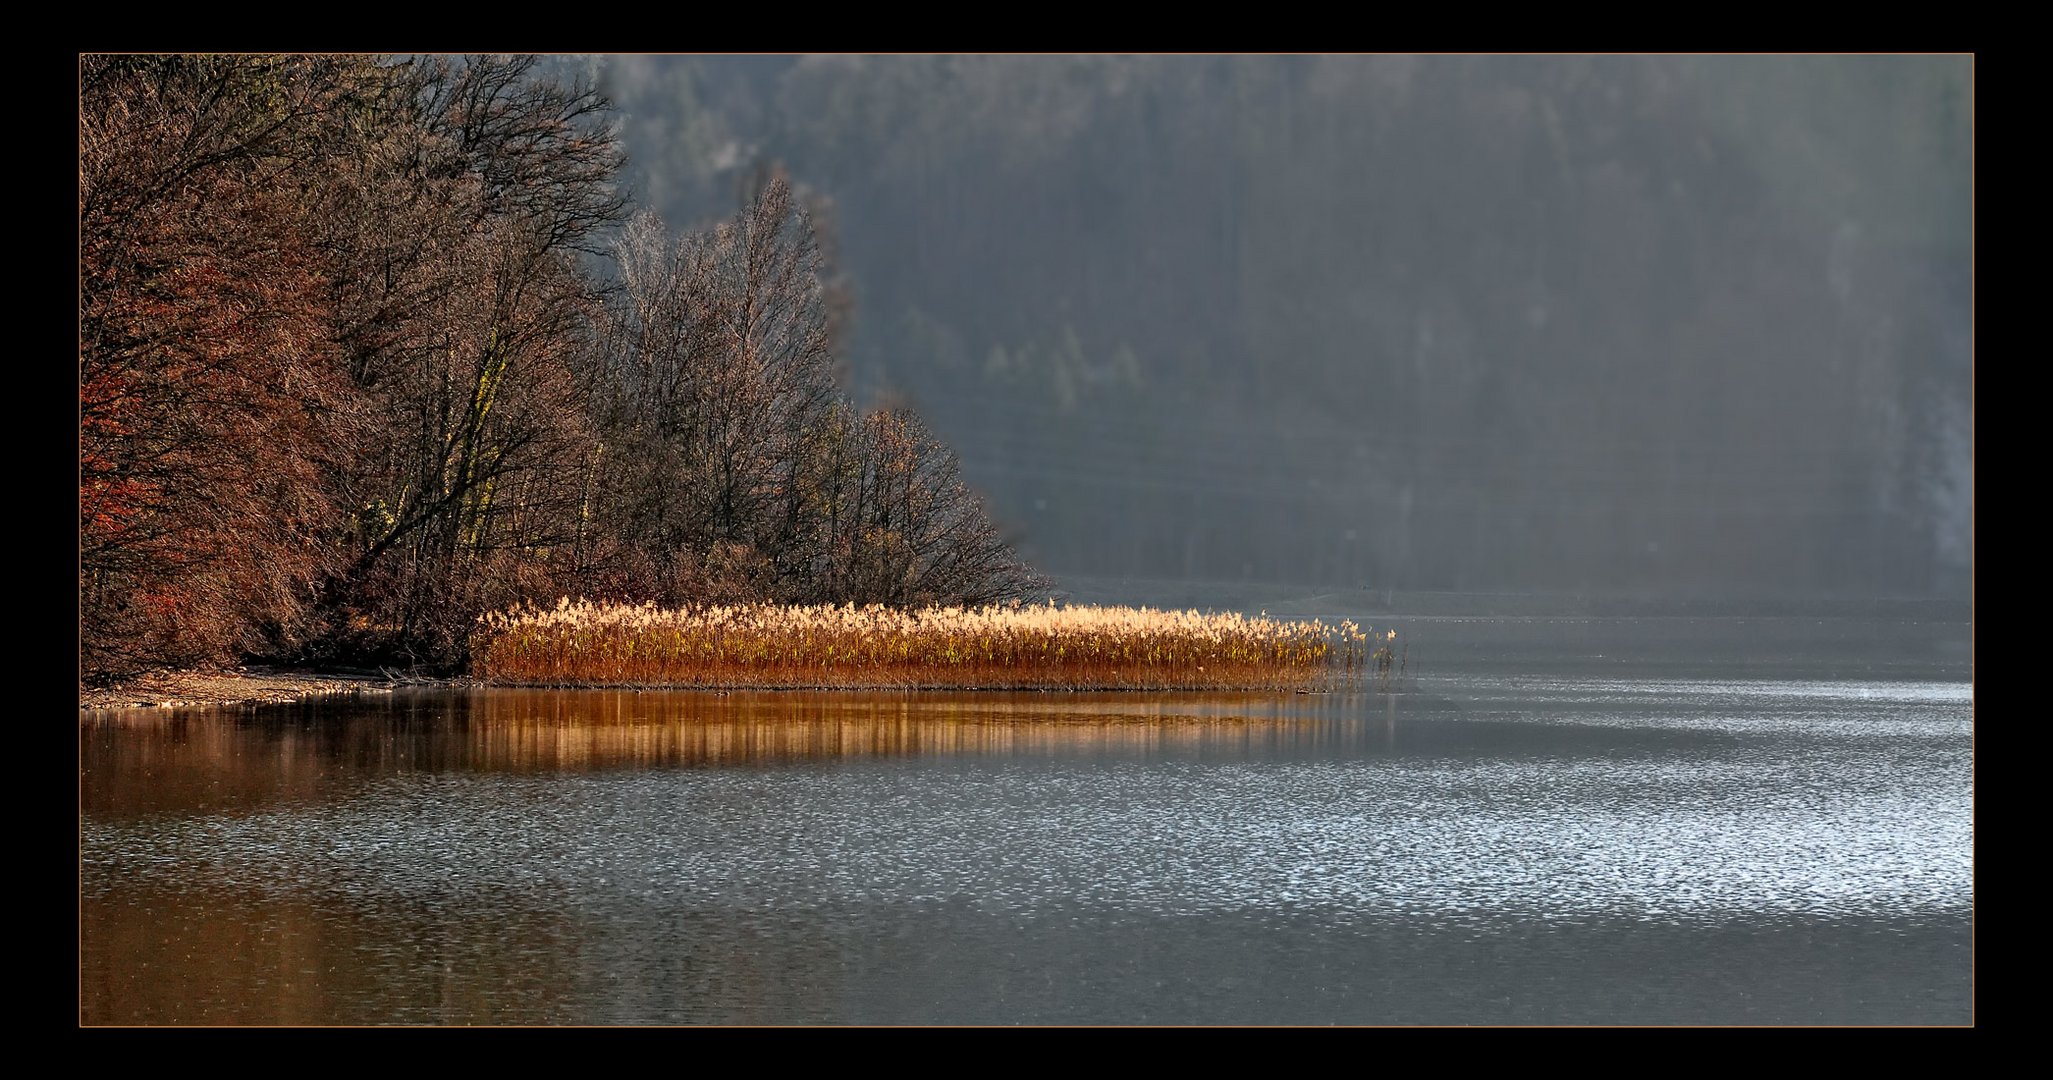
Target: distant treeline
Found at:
1697, 323
348, 377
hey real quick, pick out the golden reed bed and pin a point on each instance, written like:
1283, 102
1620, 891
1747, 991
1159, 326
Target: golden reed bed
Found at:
1012, 647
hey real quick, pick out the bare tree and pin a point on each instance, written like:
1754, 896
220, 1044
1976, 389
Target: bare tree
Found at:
909, 532
720, 346
484, 390
743, 472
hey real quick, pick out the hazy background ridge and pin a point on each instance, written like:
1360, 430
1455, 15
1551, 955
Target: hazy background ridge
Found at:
1676, 325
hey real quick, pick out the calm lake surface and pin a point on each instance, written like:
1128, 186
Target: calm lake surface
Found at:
1549, 820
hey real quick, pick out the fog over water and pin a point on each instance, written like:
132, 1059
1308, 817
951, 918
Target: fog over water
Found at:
1679, 325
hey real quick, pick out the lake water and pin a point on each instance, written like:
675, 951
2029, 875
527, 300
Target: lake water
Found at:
1547, 821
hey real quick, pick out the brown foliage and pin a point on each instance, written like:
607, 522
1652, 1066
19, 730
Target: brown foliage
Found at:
210, 406
345, 383
331, 322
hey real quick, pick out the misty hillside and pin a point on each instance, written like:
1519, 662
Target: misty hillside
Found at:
1674, 324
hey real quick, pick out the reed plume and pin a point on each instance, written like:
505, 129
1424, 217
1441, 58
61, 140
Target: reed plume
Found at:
1012, 646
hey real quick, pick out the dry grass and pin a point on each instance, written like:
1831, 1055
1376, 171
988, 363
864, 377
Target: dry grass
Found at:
1011, 647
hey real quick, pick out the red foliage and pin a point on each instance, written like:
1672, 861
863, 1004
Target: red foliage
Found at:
206, 385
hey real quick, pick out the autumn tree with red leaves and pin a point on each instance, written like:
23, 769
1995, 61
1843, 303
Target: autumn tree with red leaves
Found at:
346, 380
212, 412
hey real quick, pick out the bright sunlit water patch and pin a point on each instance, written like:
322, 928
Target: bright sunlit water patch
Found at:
1538, 838
1733, 691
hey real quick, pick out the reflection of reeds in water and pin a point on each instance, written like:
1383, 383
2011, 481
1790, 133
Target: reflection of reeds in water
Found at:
227, 761
553, 729
1009, 647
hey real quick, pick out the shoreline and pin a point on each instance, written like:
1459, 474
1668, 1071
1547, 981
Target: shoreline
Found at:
258, 686
278, 686
246, 685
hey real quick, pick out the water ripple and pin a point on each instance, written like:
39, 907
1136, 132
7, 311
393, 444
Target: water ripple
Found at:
1675, 842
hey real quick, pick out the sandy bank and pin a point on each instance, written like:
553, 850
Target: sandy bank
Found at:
247, 685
